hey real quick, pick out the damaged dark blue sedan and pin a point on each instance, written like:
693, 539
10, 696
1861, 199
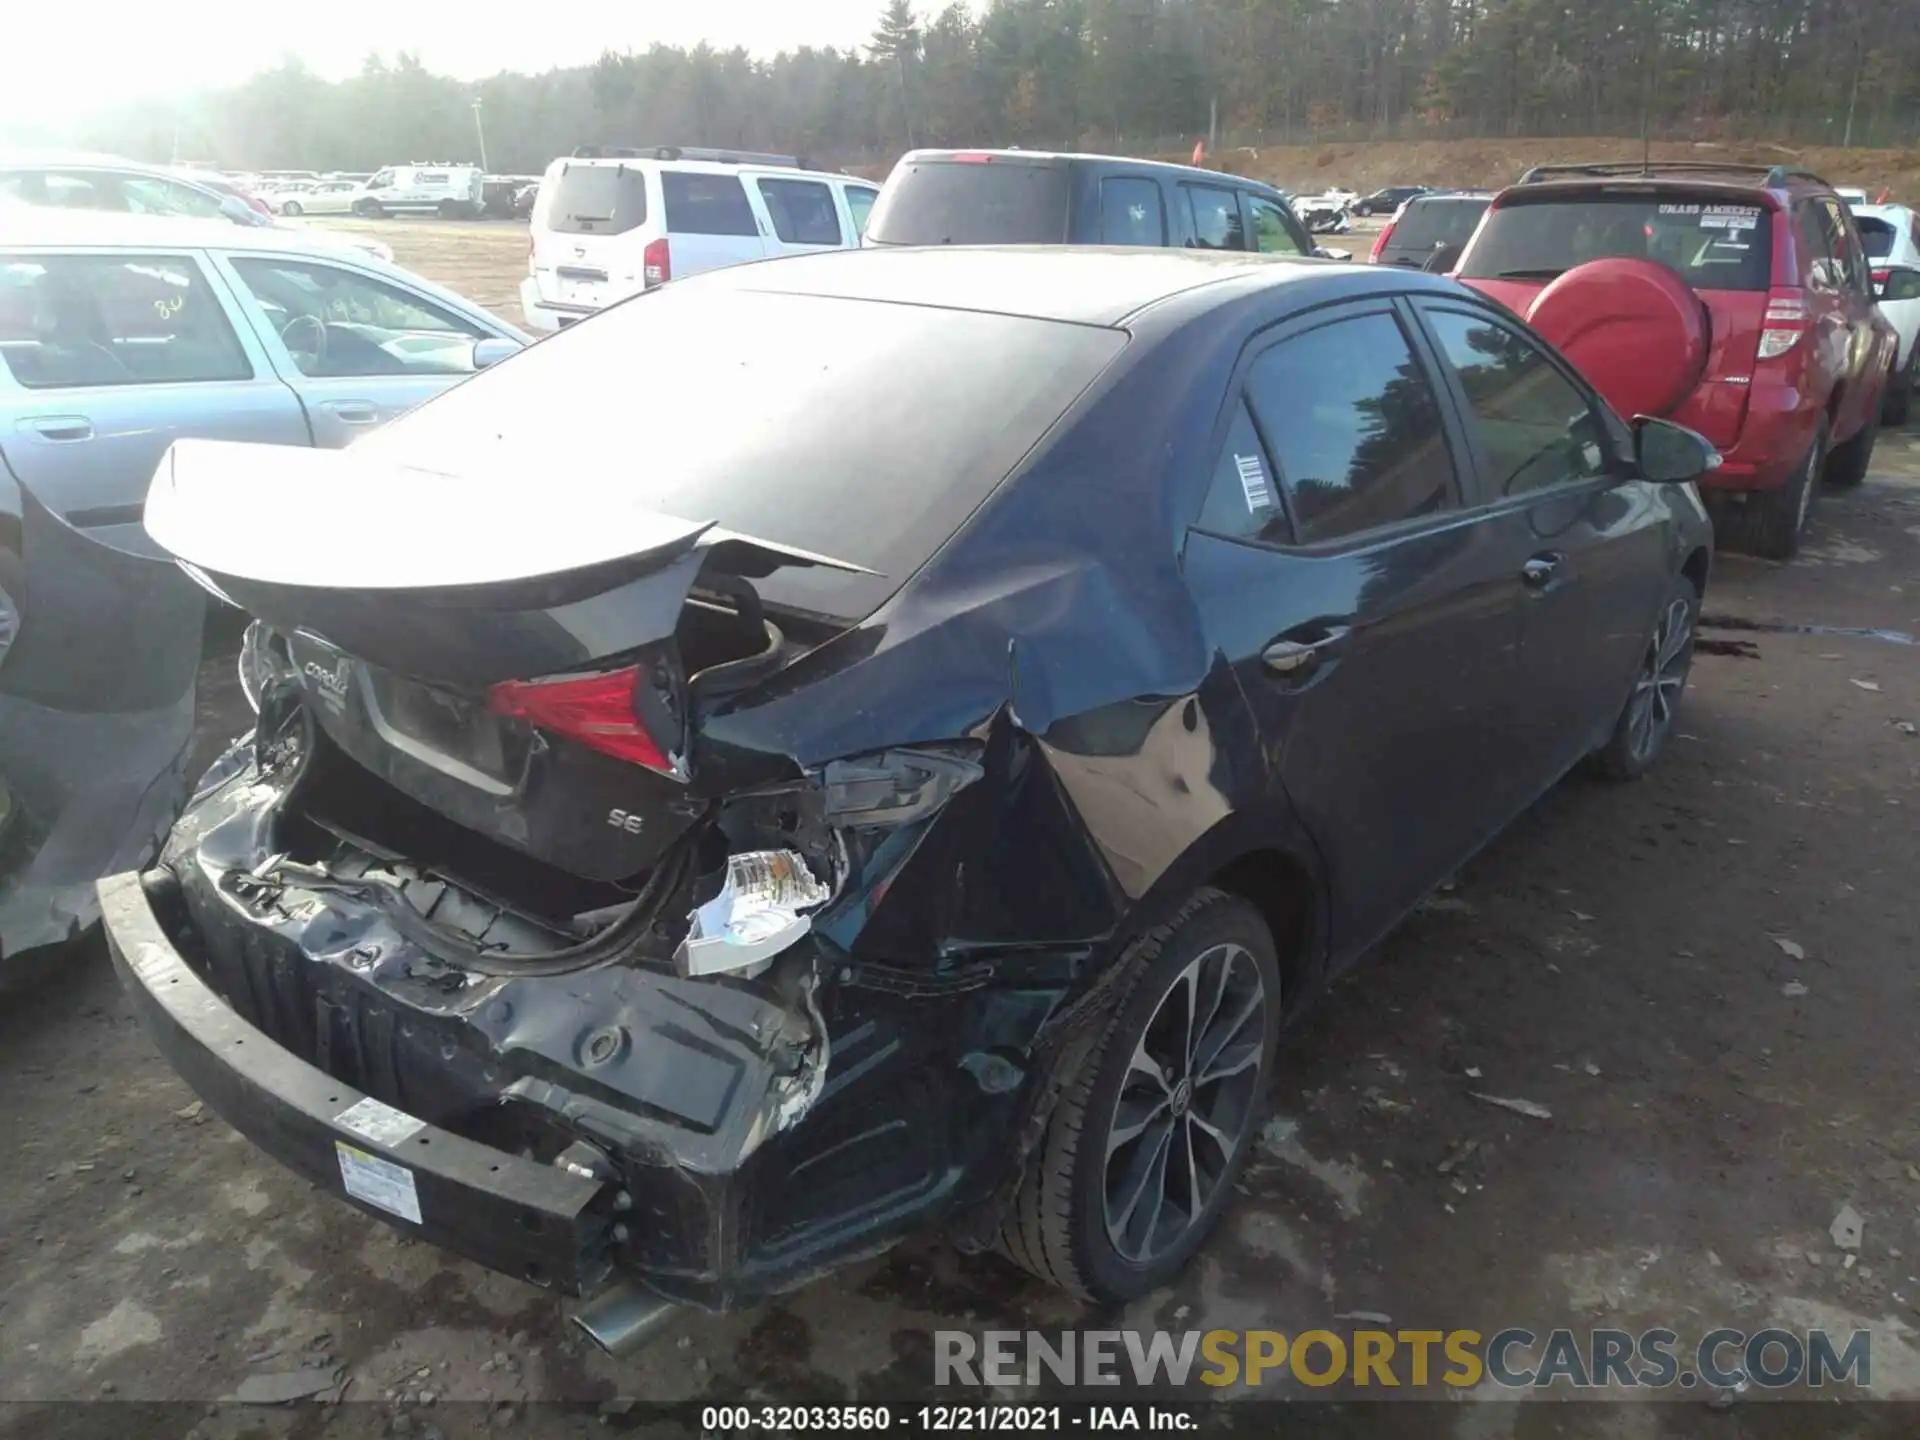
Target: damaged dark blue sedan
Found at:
881, 741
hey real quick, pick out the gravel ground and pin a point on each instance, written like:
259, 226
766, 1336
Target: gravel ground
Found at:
1706, 978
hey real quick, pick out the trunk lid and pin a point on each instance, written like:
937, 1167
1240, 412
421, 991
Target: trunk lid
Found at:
412, 613
589, 233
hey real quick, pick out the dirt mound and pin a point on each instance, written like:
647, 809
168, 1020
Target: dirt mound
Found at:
1490, 164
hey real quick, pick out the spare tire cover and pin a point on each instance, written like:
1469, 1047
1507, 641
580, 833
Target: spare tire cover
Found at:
1634, 328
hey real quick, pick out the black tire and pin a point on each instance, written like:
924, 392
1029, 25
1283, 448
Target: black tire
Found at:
1848, 464
1057, 1226
1647, 719
1897, 408
1771, 522
449, 209
369, 209
291, 207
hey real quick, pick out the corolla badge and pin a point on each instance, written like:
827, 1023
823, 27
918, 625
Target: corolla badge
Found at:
332, 684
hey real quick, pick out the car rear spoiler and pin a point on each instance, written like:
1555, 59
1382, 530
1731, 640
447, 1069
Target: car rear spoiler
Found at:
1771, 177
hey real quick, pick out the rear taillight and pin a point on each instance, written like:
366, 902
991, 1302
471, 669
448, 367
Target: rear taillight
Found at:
1380, 242
656, 263
1785, 323
596, 710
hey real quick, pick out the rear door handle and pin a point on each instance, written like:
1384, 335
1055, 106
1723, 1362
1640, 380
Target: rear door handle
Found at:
353, 412
1539, 572
1301, 651
60, 427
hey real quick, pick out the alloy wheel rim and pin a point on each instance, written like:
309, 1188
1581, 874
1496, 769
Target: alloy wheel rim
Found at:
1663, 675
1186, 1103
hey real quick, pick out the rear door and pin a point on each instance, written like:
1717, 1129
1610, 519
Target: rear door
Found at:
1372, 626
802, 215
710, 221
106, 358
1587, 555
356, 349
591, 225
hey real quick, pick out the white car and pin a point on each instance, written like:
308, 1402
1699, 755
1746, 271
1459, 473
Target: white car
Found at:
610, 223
320, 197
451, 191
122, 333
1891, 234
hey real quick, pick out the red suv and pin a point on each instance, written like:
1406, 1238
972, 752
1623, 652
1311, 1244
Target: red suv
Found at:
1734, 300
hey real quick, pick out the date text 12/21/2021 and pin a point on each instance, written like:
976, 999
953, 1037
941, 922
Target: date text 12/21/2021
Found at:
944, 1419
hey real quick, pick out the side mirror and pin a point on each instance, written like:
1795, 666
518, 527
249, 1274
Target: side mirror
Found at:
1670, 454
1902, 283
1323, 253
492, 350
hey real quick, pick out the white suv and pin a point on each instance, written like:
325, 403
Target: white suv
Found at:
1891, 235
609, 223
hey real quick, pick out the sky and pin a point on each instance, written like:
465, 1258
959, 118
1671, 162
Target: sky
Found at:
67, 58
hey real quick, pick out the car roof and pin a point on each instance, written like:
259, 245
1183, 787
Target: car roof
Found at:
1075, 157
1076, 284
52, 226
707, 167
1891, 213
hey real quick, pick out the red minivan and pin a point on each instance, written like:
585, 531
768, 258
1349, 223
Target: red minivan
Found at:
1735, 300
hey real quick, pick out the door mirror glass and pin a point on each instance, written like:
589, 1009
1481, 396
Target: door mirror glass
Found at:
1670, 454
492, 350
1900, 284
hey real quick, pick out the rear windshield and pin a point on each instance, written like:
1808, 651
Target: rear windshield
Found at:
1429, 224
1876, 235
1714, 243
963, 202
598, 200
801, 420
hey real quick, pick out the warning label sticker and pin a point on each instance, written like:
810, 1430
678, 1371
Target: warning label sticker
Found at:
381, 1183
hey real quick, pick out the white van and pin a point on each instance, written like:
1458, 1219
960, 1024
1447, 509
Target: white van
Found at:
423, 188
609, 223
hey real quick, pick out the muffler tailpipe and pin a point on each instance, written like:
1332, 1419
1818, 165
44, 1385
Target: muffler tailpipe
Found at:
622, 1319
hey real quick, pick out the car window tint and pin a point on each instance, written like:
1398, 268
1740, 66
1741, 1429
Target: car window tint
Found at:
706, 204
1216, 218
1536, 430
1243, 499
337, 322
74, 320
1131, 212
802, 211
1847, 253
598, 200
1816, 239
1354, 427
1271, 233
1714, 243
860, 202
1876, 234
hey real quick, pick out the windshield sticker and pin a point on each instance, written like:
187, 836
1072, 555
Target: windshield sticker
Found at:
1253, 483
1717, 217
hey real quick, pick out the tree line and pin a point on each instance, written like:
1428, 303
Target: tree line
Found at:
1141, 75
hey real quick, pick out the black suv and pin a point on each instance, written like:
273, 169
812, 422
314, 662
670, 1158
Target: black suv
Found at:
1030, 197
1385, 202
1431, 231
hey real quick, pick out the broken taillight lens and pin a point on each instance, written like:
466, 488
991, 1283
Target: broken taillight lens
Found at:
596, 710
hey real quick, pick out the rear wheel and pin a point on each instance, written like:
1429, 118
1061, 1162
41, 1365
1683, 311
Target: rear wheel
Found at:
292, 207
1141, 1152
1647, 721
1847, 465
369, 209
1770, 523
450, 209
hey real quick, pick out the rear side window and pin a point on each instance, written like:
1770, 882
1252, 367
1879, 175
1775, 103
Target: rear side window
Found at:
1715, 244
972, 202
1431, 224
1243, 500
1876, 235
1354, 427
860, 204
1131, 212
83, 320
802, 211
706, 204
1216, 218
598, 200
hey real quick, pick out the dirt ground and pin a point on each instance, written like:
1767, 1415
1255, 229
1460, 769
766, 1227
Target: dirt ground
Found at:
1707, 979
